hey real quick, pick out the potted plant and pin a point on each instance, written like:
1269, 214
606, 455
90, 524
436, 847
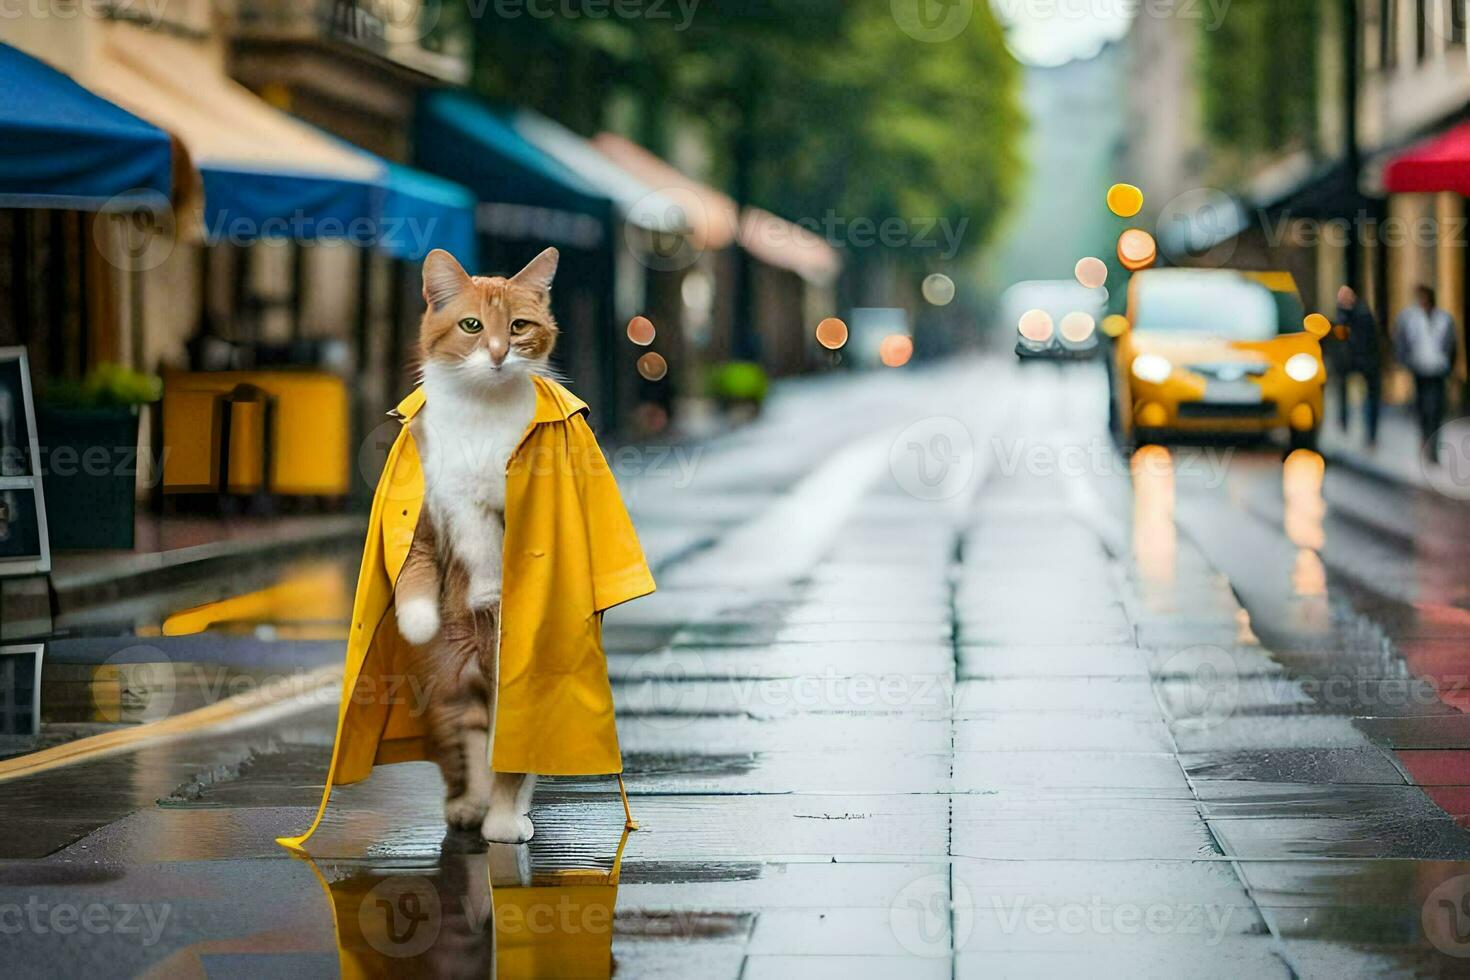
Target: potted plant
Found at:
738, 386
89, 442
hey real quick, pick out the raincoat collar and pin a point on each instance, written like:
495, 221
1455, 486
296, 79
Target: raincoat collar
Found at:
553, 403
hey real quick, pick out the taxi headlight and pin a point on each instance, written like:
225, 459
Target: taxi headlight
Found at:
1152, 368
1302, 367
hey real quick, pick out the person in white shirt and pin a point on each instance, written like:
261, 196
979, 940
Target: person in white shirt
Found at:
1424, 341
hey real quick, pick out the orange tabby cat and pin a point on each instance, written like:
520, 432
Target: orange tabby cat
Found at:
482, 339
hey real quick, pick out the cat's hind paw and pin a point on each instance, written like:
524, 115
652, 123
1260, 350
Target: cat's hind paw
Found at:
507, 828
418, 620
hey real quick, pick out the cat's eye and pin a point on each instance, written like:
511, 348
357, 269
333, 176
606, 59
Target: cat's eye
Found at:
520, 326
470, 325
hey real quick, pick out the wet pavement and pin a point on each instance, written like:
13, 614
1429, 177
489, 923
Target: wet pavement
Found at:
935, 684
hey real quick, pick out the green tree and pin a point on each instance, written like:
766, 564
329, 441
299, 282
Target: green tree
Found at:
807, 107
1259, 79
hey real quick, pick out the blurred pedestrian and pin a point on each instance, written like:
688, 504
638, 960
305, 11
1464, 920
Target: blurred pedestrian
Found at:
1355, 351
1424, 341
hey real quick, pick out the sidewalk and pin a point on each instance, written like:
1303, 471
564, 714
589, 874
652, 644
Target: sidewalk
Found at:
1397, 457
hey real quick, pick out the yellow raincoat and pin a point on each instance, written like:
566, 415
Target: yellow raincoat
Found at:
570, 553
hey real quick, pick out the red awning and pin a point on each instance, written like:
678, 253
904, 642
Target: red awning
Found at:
1438, 164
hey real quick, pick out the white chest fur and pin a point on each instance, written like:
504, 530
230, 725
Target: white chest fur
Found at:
467, 437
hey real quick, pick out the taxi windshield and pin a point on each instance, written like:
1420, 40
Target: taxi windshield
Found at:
1211, 304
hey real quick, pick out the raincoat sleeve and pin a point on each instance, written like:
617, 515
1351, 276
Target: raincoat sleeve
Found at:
619, 571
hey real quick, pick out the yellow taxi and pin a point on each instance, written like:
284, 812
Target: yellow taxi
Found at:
1215, 351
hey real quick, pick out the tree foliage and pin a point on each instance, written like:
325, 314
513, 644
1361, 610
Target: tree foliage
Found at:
814, 109
1259, 77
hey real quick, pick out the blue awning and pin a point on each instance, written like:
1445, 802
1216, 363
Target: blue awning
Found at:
522, 189
65, 147
266, 174
420, 212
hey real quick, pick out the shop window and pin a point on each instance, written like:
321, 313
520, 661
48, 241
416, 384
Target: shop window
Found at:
1388, 36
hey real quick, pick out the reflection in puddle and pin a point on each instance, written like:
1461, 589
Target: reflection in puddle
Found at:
312, 602
1154, 543
478, 911
1303, 513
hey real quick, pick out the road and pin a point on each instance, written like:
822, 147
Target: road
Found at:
936, 684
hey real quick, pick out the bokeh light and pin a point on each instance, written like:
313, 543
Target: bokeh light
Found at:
1137, 249
1115, 325
640, 331
1036, 326
1317, 325
938, 289
652, 366
832, 333
1125, 200
1076, 327
895, 350
1092, 272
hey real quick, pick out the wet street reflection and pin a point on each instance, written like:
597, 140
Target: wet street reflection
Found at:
975, 695
479, 911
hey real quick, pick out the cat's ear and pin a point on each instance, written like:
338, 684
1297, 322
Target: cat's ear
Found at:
538, 272
444, 278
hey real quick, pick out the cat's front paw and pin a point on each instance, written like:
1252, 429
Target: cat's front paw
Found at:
465, 812
483, 593
418, 620
507, 828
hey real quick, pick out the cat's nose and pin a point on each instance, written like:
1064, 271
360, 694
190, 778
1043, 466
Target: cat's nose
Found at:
498, 349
